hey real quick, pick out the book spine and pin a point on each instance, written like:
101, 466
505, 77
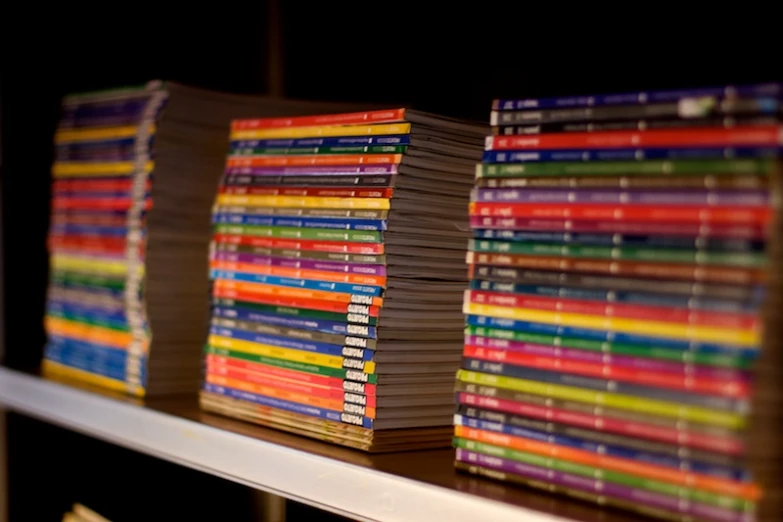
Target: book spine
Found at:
300, 323
338, 141
332, 131
328, 192
628, 154
741, 215
640, 97
314, 159
756, 136
709, 182
352, 118
306, 264
624, 124
695, 167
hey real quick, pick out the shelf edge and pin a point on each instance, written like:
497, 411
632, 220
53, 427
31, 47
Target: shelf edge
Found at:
328, 484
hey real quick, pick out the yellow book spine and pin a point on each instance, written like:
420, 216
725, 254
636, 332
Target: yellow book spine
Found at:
91, 265
92, 134
61, 370
330, 130
83, 168
267, 350
307, 202
612, 400
635, 326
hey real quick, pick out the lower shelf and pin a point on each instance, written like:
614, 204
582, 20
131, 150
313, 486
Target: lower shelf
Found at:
409, 486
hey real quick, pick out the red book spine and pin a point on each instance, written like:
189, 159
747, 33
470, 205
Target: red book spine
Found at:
589, 211
348, 118
313, 159
644, 313
294, 302
280, 373
325, 192
329, 393
624, 227
715, 274
606, 423
314, 245
694, 384
750, 136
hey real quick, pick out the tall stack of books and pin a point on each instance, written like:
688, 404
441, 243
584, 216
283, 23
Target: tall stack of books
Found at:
623, 335
128, 297
101, 195
337, 266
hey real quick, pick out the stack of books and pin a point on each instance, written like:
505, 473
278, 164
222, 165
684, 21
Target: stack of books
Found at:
623, 333
133, 187
337, 267
100, 199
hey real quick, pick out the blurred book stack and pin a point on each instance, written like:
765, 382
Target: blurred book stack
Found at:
132, 192
338, 267
622, 339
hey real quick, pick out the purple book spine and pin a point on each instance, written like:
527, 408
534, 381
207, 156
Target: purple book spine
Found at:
331, 170
648, 197
640, 363
305, 264
638, 98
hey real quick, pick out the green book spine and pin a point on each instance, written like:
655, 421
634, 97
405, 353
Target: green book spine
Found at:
91, 320
323, 234
612, 347
293, 312
286, 364
627, 168
698, 414
659, 255
80, 279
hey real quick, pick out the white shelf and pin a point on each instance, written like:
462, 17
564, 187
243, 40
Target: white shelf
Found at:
347, 489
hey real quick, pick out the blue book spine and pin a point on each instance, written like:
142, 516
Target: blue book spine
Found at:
607, 336
97, 359
91, 230
315, 325
638, 98
300, 222
341, 288
612, 296
586, 155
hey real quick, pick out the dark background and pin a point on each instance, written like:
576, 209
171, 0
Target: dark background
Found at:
451, 58
453, 61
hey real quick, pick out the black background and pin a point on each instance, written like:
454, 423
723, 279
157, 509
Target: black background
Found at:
451, 58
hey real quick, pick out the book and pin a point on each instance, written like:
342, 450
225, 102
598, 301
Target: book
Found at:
133, 181
337, 269
622, 337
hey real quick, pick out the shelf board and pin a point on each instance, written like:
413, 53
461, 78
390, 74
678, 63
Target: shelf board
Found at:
407, 486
